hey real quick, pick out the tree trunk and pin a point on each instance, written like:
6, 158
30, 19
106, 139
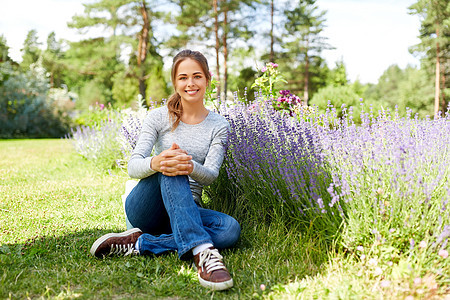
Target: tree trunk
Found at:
437, 89
216, 32
143, 49
225, 52
306, 88
272, 55
444, 103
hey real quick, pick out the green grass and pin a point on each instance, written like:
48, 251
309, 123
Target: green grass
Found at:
54, 205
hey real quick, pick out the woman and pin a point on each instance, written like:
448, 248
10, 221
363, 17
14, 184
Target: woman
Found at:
163, 209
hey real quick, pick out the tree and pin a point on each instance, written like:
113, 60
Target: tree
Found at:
435, 43
304, 41
89, 70
402, 88
52, 60
338, 75
272, 10
31, 51
130, 25
4, 50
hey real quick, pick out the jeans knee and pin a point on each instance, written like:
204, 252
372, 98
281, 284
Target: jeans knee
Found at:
235, 229
230, 234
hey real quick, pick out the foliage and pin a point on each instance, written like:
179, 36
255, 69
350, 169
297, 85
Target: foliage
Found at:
303, 40
106, 134
99, 145
25, 108
275, 165
211, 100
339, 97
93, 64
157, 88
4, 49
405, 88
282, 100
242, 84
31, 51
129, 23
124, 88
52, 61
338, 75
434, 45
386, 179
96, 115
266, 83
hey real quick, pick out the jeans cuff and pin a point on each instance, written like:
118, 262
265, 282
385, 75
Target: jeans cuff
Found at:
186, 253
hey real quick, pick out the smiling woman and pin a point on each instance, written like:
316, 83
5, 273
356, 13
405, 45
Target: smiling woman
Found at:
163, 210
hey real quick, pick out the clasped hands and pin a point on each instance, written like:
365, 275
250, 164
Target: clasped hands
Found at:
173, 161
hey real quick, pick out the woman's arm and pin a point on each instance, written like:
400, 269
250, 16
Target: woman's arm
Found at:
139, 165
205, 174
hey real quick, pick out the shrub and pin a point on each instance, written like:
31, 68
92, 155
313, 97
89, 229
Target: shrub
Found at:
276, 168
25, 108
387, 178
110, 135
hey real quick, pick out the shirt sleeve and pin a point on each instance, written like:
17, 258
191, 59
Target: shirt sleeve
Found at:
139, 165
205, 174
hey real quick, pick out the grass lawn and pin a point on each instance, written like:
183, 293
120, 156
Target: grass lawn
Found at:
54, 205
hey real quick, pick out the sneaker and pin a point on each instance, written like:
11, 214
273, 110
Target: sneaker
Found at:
116, 243
212, 273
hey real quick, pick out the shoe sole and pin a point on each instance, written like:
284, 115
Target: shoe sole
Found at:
101, 239
216, 286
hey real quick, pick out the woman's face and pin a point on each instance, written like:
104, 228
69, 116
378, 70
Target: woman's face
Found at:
190, 81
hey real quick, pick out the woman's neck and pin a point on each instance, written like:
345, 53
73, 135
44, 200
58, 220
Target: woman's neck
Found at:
194, 113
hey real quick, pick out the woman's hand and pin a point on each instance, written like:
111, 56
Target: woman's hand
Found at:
173, 161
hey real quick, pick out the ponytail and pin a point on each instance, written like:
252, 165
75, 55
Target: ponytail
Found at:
175, 109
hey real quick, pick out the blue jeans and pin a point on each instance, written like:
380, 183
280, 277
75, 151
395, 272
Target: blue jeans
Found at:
164, 209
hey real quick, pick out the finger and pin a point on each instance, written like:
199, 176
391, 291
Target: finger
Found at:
175, 166
179, 157
175, 173
171, 153
174, 146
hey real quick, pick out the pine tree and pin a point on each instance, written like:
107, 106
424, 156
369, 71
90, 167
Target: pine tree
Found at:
435, 44
4, 50
31, 51
304, 42
129, 23
52, 60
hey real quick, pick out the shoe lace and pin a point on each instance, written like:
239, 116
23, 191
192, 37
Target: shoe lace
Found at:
125, 250
211, 260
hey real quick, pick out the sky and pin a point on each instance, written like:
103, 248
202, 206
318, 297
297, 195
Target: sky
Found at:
368, 35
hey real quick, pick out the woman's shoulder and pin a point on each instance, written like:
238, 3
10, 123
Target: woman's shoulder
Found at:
218, 119
158, 113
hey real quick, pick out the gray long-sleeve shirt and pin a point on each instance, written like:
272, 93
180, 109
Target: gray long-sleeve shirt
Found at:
204, 142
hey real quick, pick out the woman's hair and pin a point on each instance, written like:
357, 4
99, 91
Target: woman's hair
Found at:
174, 103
